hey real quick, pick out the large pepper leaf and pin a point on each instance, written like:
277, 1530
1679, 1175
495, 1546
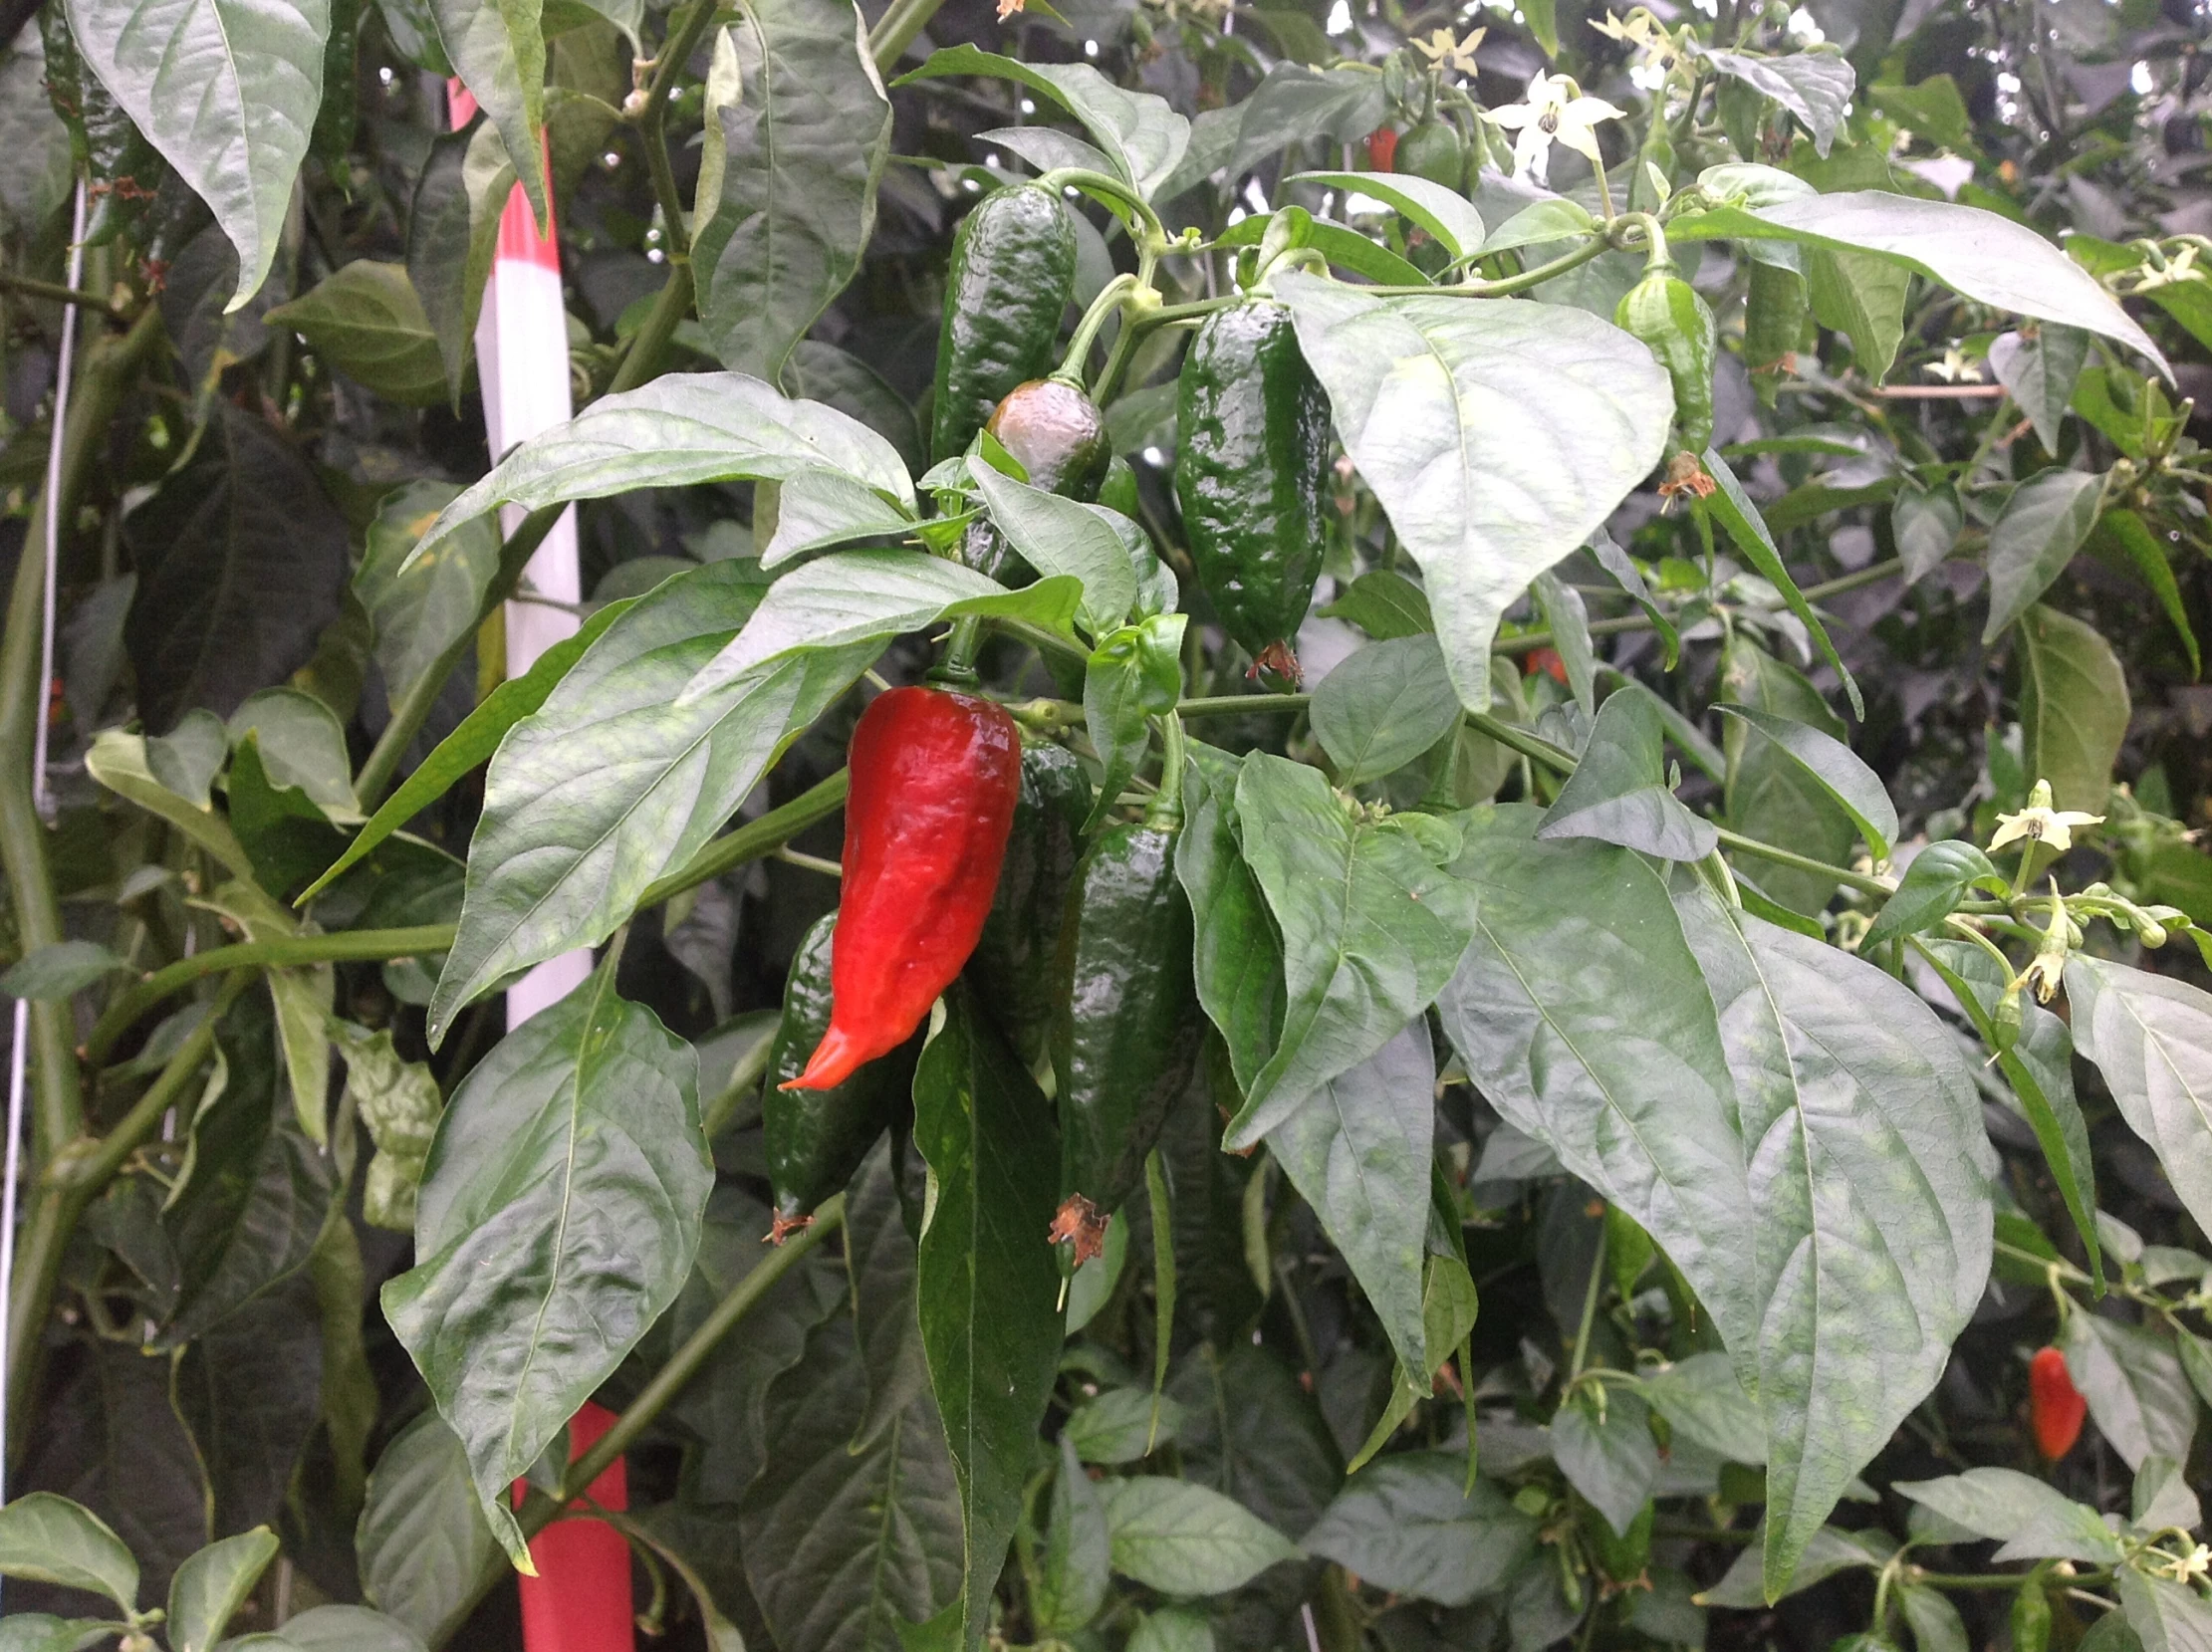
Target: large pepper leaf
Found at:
1496, 435
804, 143
988, 1292
2152, 1037
498, 49
2074, 707
228, 92
421, 1543
556, 1222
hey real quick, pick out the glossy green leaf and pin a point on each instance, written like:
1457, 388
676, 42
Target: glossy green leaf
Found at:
227, 91
50, 1539
1409, 1524
498, 49
210, 1587
1060, 536
818, 510
2074, 707
1747, 531
989, 1294
1071, 1581
1769, 794
302, 995
1138, 132
1829, 1553
804, 143
1981, 255
1342, 246
556, 1222
615, 779
1183, 1540
1835, 766
422, 1543
1551, 218
1496, 435
1134, 675
1939, 877
850, 604
2038, 370
1610, 1459
59, 970
448, 250
1618, 794
680, 429
2043, 525
1358, 1149
1172, 1629
366, 320
1444, 213
1371, 930
1815, 87
473, 742
1868, 1170
1384, 707
2032, 1519
1238, 951
2152, 1037
1935, 1623
1382, 603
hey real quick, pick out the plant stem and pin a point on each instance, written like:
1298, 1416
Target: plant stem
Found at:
408, 715
345, 945
653, 122
723, 1111
649, 344
1504, 285
33, 288
110, 361
685, 1362
1230, 705
93, 1170
1804, 862
1590, 1311
896, 29
753, 839
1530, 641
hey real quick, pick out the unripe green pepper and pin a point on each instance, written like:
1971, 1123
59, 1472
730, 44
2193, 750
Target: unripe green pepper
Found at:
1013, 273
1252, 475
1774, 321
1125, 1026
1432, 151
1013, 963
1665, 312
816, 1138
1058, 435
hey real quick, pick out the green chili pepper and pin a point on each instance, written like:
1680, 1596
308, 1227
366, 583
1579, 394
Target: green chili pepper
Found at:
1432, 151
1665, 312
1013, 273
1125, 1026
816, 1138
1058, 435
1774, 321
1252, 473
1012, 965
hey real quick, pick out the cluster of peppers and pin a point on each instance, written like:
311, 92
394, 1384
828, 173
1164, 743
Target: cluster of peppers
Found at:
963, 848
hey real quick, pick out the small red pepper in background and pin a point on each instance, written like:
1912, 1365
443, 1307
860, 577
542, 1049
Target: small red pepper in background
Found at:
2055, 1406
936, 777
1546, 659
1382, 148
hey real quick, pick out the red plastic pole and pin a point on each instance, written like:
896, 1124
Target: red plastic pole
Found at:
579, 1601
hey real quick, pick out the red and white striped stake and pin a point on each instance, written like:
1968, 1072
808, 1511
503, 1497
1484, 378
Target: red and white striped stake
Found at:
579, 1601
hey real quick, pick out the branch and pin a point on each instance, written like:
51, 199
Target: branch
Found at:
653, 123
889, 40
33, 288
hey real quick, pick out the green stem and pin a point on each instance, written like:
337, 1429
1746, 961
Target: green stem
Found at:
111, 361
1991, 1579
1875, 574
1504, 285
959, 666
95, 1168
723, 1111
649, 346
752, 840
1231, 705
1080, 177
653, 122
1804, 862
685, 1362
347, 945
1590, 1311
895, 31
1109, 300
33, 288
1166, 807
408, 715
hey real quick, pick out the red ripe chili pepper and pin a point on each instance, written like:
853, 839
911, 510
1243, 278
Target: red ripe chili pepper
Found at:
1546, 659
2055, 1406
935, 777
1382, 148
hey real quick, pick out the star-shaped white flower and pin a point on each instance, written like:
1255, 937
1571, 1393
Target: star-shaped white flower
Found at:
1446, 53
2039, 823
1554, 112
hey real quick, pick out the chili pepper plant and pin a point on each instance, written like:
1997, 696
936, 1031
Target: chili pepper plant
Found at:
1390, 823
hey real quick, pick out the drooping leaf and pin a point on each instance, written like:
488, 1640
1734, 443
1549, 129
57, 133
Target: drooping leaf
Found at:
1384, 707
2146, 554
803, 144
2043, 525
557, 1220
1748, 530
680, 429
2032, 1519
1238, 951
1060, 536
1183, 1540
1371, 930
498, 49
242, 561
125, 763
1862, 297
1073, 1576
50, 1539
1618, 794
1409, 1524
1496, 435
1566, 617
249, 1390
2166, 1616
1358, 1149
1769, 794
2152, 1037
1925, 523
1835, 766
988, 1292
615, 779
1444, 213
366, 320
1133, 676
59, 970
2074, 707
227, 91
2139, 1396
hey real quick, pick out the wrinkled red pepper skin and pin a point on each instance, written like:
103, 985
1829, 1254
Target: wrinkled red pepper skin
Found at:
936, 777
2055, 1406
